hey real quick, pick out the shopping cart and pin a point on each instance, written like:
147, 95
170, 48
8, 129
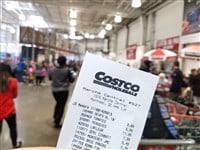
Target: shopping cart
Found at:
187, 120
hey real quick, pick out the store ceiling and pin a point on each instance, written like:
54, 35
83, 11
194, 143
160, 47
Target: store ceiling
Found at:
90, 13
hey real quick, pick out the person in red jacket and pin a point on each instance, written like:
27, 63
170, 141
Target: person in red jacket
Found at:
8, 91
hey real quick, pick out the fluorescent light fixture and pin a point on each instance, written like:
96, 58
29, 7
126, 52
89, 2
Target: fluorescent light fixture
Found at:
79, 37
72, 36
72, 33
26, 6
136, 3
35, 18
11, 44
103, 23
108, 26
22, 17
72, 29
92, 36
87, 35
65, 36
36, 21
12, 30
3, 44
28, 45
11, 5
73, 14
102, 33
118, 19
73, 22
3, 26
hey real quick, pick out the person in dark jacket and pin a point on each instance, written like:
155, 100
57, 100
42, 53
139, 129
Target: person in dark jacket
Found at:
196, 88
38, 75
146, 66
177, 82
192, 75
61, 79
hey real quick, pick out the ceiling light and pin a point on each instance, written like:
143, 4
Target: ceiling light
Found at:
72, 33
12, 30
79, 37
118, 19
3, 26
28, 45
87, 35
73, 14
22, 17
136, 3
92, 36
3, 44
101, 35
65, 36
36, 21
11, 5
108, 26
72, 36
72, 29
103, 31
103, 23
73, 22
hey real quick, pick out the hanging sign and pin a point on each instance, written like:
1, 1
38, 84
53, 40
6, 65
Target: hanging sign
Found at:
169, 43
191, 17
108, 108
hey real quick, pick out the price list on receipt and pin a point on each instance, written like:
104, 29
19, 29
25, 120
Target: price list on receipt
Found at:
108, 108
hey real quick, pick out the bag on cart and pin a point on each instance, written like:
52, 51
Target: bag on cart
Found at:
158, 124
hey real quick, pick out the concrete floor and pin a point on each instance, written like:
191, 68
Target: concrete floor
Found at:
35, 106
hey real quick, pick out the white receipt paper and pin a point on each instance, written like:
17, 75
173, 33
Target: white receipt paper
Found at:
108, 108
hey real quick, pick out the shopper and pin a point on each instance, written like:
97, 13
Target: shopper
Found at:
61, 78
8, 91
44, 74
192, 74
146, 66
196, 88
38, 75
177, 82
163, 85
8, 60
31, 74
20, 70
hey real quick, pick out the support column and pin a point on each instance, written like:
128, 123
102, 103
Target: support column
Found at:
33, 48
144, 29
152, 30
127, 35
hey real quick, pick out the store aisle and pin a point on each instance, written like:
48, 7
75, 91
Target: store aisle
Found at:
34, 115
